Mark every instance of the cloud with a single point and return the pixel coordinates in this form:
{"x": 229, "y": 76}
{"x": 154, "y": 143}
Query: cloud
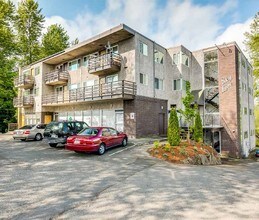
{"x": 235, "y": 32}
{"x": 172, "y": 23}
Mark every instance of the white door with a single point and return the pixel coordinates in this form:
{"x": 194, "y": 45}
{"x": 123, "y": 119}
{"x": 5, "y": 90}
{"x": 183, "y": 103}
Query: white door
{"x": 119, "y": 120}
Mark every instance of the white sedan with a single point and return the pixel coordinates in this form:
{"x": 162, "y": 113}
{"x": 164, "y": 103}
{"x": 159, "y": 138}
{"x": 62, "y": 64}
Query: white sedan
{"x": 29, "y": 132}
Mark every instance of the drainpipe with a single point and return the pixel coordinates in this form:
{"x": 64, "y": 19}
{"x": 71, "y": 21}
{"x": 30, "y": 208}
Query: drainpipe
{"x": 154, "y": 71}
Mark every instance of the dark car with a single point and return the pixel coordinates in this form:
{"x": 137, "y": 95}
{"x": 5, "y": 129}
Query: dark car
{"x": 58, "y": 132}
{"x": 96, "y": 139}
{"x": 257, "y": 153}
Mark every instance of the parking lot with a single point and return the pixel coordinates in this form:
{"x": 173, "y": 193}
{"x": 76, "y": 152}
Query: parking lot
{"x": 39, "y": 182}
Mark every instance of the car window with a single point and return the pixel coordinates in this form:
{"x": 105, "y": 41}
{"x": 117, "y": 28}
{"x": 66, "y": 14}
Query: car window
{"x": 70, "y": 126}
{"x": 85, "y": 125}
{"x": 113, "y": 131}
{"x": 78, "y": 126}
{"x": 89, "y": 131}
{"x": 27, "y": 127}
{"x": 41, "y": 126}
{"x": 105, "y": 132}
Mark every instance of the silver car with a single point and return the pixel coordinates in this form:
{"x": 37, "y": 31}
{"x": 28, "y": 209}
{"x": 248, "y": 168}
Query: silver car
{"x": 29, "y": 132}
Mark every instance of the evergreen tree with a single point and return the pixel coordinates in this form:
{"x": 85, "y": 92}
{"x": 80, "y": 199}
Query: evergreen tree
{"x": 55, "y": 40}
{"x": 29, "y": 24}
{"x": 189, "y": 110}
{"x": 252, "y": 43}
{"x": 7, "y": 58}
{"x": 198, "y": 130}
{"x": 173, "y": 134}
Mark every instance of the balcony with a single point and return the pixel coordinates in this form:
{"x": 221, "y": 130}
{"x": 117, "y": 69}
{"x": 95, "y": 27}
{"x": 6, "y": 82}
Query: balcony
{"x": 104, "y": 64}
{"x": 24, "y": 81}
{"x": 107, "y": 91}
{"x": 208, "y": 121}
{"x": 56, "y": 77}
{"x": 25, "y": 101}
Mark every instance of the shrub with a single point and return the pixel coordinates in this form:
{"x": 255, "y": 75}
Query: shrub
{"x": 198, "y": 131}
{"x": 156, "y": 144}
{"x": 173, "y": 133}
{"x": 167, "y": 147}
{"x": 183, "y": 151}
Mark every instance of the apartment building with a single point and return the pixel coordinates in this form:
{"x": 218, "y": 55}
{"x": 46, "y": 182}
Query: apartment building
{"x": 123, "y": 79}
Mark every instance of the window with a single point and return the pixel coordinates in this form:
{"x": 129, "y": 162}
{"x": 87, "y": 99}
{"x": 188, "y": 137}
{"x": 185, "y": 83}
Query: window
{"x": 115, "y": 49}
{"x": 177, "y": 84}
{"x": 143, "y": 78}
{"x": 210, "y": 56}
{"x": 143, "y": 48}
{"x": 37, "y": 71}
{"x": 113, "y": 132}
{"x": 158, "y": 84}
{"x": 243, "y": 62}
{"x": 86, "y": 61}
{"x": 112, "y": 78}
{"x": 245, "y": 134}
{"x": 91, "y": 82}
{"x": 245, "y": 110}
{"x": 250, "y": 111}
{"x": 185, "y": 59}
{"x": 73, "y": 65}
{"x": 159, "y": 57}
{"x": 176, "y": 58}
{"x": 74, "y": 86}
{"x": 26, "y": 72}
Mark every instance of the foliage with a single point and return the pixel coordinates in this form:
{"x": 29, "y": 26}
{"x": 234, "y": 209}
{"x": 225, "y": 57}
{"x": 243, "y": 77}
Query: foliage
{"x": 54, "y": 40}
{"x": 252, "y": 43}
{"x": 74, "y": 42}
{"x": 182, "y": 151}
{"x": 156, "y": 144}
{"x": 198, "y": 130}
{"x": 189, "y": 108}
{"x": 7, "y": 57}
{"x": 167, "y": 147}
{"x": 173, "y": 134}
{"x": 29, "y": 24}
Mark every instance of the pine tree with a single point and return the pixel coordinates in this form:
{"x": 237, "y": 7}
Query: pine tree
{"x": 198, "y": 130}
{"x": 29, "y": 24}
{"x": 173, "y": 134}
{"x": 55, "y": 40}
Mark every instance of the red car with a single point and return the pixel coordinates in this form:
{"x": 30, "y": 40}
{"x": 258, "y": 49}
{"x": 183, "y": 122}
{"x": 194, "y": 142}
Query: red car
{"x": 96, "y": 139}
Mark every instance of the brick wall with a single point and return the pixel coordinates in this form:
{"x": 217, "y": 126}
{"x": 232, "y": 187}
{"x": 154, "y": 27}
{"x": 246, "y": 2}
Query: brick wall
{"x": 229, "y": 99}
{"x": 148, "y": 113}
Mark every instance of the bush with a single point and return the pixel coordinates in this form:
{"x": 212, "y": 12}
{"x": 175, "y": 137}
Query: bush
{"x": 198, "y": 131}
{"x": 156, "y": 144}
{"x": 173, "y": 133}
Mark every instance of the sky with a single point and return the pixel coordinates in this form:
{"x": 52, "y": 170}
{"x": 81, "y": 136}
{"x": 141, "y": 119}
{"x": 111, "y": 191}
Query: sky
{"x": 193, "y": 23}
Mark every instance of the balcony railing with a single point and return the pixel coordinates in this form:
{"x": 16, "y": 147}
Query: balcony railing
{"x": 56, "y": 77}
{"x": 115, "y": 90}
{"x": 104, "y": 64}
{"x": 24, "y": 101}
{"x": 208, "y": 120}
{"x": 24, "y": 81}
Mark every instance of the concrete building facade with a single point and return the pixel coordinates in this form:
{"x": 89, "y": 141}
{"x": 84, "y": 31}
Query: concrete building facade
{"x": 122, "y": 79}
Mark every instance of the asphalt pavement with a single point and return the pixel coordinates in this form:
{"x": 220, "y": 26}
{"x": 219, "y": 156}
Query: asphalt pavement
{"x": 39, "y": 182}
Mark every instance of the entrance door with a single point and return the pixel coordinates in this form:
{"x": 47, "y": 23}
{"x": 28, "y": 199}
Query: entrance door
{"x": 59, "y": 93}
{"x": 119, "y": 120}
{"x": 161, "y": 123}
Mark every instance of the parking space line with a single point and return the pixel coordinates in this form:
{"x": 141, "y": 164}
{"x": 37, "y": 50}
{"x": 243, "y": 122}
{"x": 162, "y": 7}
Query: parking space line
{"x": 119, "y": 151}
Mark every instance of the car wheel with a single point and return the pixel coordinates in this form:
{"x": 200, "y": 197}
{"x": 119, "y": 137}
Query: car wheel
{"x": 101, "y": 149}
{"x": 53, "y": 145}
{"x": 124, "y": 142}
{"x": 38, "y": 137}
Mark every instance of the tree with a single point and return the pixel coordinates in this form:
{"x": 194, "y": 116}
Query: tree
{"x": 189, "y": 109}
{"x": 7, "y": 58}
{"x": 55, "y": 40}
{"x": 198, "y": 130}
{"x": 252, "y": 43}
{"x": 29, "y": 24}
{"x": 74, "y": 42}
{"x": 173, "y": 133}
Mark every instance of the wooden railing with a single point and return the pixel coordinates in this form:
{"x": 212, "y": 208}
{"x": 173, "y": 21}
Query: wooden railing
{"x": 56, "y": 76}
{"x": 23, "y": 101}
{"x": 24, "y": 81}
{"x": 120, "y": 89}
{"x": 104, "y": 62}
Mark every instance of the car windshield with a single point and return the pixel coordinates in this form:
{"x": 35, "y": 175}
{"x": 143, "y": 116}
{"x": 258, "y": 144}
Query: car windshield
{"x": 27, "y": 127}
{"x": 54, "y": 126}
{"x": 89, "y": 131}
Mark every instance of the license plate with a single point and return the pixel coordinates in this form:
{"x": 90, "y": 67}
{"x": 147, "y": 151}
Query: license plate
{"x": 54, "y": 136}
{"x": 77, "y": 141}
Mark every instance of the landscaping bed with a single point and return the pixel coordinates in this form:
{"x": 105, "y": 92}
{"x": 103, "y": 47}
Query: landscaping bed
{"x": 185, "y": 153}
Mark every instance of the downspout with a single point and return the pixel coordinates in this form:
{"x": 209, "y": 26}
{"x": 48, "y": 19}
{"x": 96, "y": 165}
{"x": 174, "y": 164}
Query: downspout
{"x": 154, "y": 71}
